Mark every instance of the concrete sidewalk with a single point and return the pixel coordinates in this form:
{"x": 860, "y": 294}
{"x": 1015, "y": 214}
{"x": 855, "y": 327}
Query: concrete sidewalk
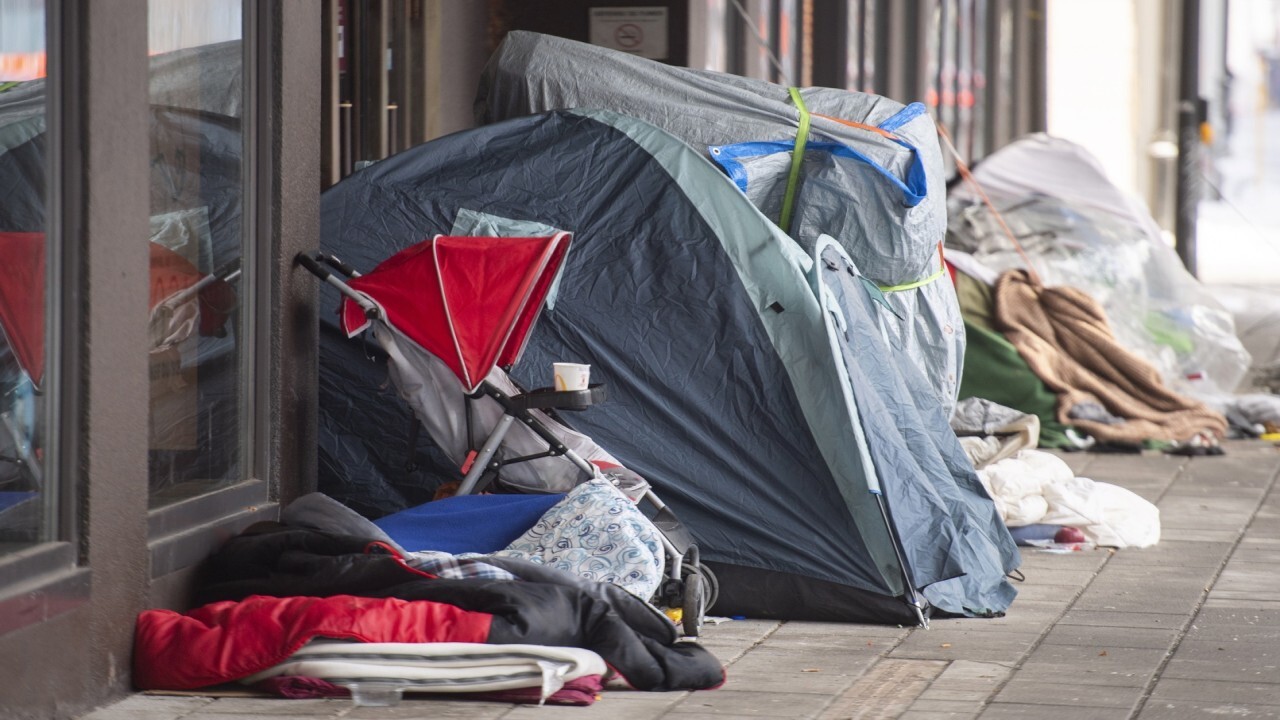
{"x": 1187, "y": 629}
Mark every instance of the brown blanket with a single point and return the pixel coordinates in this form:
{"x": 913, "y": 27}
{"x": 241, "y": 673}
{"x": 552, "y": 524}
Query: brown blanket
{"x": 1064, "y": 336}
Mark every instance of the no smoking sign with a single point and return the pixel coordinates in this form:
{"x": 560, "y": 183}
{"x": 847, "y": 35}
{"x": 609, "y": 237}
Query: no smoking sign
{"x": 629, "y": 36}
{"x": 637, "y": 30}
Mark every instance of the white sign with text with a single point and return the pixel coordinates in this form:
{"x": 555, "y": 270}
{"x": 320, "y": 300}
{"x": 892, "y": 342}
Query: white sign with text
{"x": 637, "y": 30}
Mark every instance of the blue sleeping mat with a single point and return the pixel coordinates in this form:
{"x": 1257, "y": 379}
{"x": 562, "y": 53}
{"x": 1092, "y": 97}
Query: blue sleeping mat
{"x": 470, "y": 523}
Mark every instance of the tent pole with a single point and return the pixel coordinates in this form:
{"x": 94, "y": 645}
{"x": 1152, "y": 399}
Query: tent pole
{"x": 913, "y": 595}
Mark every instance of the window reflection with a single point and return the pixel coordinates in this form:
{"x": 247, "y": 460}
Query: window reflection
{"x": 196, "y": 335}
{"x": 26, "y": 502}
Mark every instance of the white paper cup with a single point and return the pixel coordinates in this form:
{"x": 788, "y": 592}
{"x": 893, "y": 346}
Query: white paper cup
{"x": 571, "y": 376}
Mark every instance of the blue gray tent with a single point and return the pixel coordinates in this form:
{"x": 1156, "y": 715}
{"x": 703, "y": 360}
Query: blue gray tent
{"x": 746, "y": 380}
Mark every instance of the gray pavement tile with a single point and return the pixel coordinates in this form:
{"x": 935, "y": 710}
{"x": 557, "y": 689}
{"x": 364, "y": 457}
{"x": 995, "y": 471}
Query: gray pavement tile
{"x": 1257, "y": 551}
{"x": 766, "y": 660}
{"x": 1171, "y": 551}
{"x": 1097, "y": 657}
{"x": 1249, "y": 614}
{"x": 854, "y": 630}
{"x": 1218, "y": 488}
{"x": 607, "y": 707}
{"x": 816, "y": 679}
{"x": 1037, "y": 692}
{"x": 1227, "y": 671}
{"x": 1246, "y": 470}
{"x": 1022, "y": 711}
{"x": 1265, "y": 525}
{"x": 1135, "y": 677}
{"x": 966, "y": 645}
{"x": 1215, "y": 691}
{"x": 968, "y": 672}
{"x": 836, "y": 635}
{"x": 1214, "y": 601}
{"x": 236, "y": 707}
{"x": 886, "y": 691}
{"x": 1096, "y": 636}
{"x": 974, "y": 694}
{"x": 1050, "y": 575}
{"x": 1268, "y": 532}
{"x": 1246, "y": 633}
{"x": 727, "y": 716}
{"x": 922, "y": 715}
{"x": 1248, "y": 580}
{"x": 754, "y": 704}
{"x": 1132, "y": 618}
{"x": 793, "y": 653}
{"x": 1175, "y": 600}
{"x": 963, "y": 707}
{"x": 257, "y": 716}
{"x": 415, "y": 706}
{"x": 149, "y": 707}
{"x": 1090, "y": 665}
{"x": 1033, "y": 591}
{"x": 1146, "y": 574}
{"x": 1189, "y": 710}
{"x": 1199, "y": 534}
{"x": 1208, "y": 511}
{"x": 1240, "y": 595}
{"x": 1143, "y": 580}
{"x": 1135, "y": 468}
{"x": 726, "y": 652}
{"x": 1236, "y": 652}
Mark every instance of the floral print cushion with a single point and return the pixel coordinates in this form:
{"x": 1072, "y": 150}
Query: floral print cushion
{"x": 596, "y": 532}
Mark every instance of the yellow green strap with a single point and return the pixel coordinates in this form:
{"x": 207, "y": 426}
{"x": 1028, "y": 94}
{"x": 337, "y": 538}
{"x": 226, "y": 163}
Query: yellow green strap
{"x": 942, "y": 269}
{"x": 912, "y": 285}
{"x": 797, "y": 157}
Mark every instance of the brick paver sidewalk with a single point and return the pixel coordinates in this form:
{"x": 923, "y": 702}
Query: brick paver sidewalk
{"x": 1187, "y": 629}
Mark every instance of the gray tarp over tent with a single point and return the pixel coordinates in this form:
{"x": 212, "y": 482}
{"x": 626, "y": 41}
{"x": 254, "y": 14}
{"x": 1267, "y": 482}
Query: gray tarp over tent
{"x": 724, "y": 382}
{"x": 872, "y": 174}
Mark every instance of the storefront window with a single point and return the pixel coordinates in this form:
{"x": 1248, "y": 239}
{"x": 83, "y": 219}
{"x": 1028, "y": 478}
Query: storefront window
{"x": 27, "y": 501}
{"x": 199, "y": 330}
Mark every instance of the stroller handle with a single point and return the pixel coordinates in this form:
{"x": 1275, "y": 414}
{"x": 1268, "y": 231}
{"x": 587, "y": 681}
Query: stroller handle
{"x": 314, "y": 267}
{"x": 312, "y": 264}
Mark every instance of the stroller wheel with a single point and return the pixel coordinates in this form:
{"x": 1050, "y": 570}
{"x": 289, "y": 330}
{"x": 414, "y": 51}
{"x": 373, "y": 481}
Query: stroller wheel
{"x": 693, "y": 605}
{"x": 710, "y": 582}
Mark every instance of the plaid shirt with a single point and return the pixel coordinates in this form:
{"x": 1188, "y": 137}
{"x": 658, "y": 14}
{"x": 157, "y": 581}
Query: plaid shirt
{"x": 455, "y": 567}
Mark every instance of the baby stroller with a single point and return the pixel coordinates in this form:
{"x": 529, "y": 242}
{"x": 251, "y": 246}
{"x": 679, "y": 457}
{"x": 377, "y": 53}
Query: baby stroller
{"x": 453, "y": 315}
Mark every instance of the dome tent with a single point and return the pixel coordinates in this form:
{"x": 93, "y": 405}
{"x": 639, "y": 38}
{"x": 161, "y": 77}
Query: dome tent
{"x": 702, "y": 319}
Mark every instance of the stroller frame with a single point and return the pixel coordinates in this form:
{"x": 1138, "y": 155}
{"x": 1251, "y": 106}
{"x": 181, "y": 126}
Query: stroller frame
{"x": 688, "y": 584}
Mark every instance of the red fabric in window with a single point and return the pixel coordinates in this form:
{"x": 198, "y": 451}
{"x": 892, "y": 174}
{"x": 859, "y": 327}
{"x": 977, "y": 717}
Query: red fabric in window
{"x": 22, "y": 299}
{"x": 172, "y": 273}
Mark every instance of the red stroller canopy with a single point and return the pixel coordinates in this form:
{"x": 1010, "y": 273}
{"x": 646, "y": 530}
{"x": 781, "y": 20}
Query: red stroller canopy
{"x": 470, "y": 301}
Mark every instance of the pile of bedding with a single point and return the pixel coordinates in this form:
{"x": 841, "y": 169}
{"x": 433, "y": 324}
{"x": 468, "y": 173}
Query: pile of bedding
{"x": 280, "y": 604}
